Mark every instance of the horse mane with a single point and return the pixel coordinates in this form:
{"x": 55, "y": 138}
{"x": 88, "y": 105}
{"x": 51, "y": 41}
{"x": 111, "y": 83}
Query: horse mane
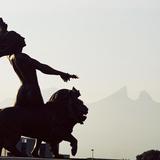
{"x": 61, "y": 98}
{"x": 65, "y": 102}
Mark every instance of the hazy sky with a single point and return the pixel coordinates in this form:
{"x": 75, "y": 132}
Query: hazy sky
{"x": 107, "y": 43}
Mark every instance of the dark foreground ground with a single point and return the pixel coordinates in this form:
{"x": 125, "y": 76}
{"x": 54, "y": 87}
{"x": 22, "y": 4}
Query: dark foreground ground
{"x": 29, "y": 158}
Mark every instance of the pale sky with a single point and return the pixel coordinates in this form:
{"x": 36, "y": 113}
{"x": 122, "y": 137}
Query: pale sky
{"x": 109, "y": 44}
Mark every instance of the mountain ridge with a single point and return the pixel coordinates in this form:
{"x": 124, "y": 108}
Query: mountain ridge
{"x": 120, "y": 125}
{"x": 123, "y": 93}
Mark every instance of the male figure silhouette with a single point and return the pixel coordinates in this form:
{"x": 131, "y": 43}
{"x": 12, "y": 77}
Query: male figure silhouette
{"x": 29, "y": 94}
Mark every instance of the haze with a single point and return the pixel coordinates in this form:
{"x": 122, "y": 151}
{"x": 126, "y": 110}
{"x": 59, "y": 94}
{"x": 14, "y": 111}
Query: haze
{"x": 107, "y": 43}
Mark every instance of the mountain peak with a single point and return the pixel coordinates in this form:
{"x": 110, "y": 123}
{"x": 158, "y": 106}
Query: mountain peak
{"x": 122, "y": 92}
{"x": 145, "y": 96}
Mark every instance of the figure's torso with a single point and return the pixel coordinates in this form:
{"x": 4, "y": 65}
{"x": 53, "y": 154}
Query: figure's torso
{"x": 29, "y": 93}
{"x": 24, "y": 69}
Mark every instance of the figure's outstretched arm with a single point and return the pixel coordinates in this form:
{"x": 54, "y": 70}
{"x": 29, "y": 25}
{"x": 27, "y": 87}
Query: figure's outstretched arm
{"x": 49, "y": 70}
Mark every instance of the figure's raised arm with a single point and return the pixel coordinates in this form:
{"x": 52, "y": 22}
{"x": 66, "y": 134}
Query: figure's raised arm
{"x": 44, "y": 68}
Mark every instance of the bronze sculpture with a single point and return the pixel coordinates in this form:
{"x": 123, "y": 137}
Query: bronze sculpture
{"x": 29, "y": 99}
{"x": 55, "y": 126}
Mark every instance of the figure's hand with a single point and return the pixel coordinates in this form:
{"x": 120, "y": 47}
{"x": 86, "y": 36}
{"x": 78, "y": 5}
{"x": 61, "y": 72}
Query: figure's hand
{"x": 74, "y": 76}
{"x": 66, "y": 77}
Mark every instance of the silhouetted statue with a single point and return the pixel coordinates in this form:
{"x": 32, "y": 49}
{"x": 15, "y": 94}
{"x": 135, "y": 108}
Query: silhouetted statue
{"x": 29, "y": 94}
{"x": 52, "y": 123}
{"x": 149, "y": 155}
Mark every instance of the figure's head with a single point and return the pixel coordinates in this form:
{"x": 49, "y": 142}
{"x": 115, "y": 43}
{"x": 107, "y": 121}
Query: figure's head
{"x": 3, "y": 26}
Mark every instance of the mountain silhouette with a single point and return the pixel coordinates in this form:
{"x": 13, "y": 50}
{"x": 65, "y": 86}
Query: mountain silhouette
{"x": 144, "y": 96}
{"x": 119, "y": 127}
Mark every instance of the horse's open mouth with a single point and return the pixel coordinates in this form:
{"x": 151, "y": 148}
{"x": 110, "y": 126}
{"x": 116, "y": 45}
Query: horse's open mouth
{"x": 83, "y": 116}
{"x": 82, "y": 119}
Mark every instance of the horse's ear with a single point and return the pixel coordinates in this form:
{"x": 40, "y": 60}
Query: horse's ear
{"x": 74, "y": 89}
{"x": 76, "y": 92}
